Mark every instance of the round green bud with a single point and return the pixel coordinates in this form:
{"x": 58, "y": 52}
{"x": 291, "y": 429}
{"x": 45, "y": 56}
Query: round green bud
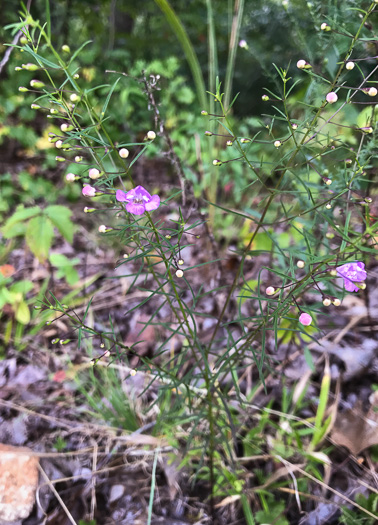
{"x": 30, "y": 67}
{"x": 38, "y": 84}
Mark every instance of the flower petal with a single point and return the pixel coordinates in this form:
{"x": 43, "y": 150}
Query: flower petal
{"x": 350, "y": 286}
{"x": 121, "y": 196}
{"x": 154, "y": 203}
{"x": 141, "y": 193}
{"x": 136, "y": 209}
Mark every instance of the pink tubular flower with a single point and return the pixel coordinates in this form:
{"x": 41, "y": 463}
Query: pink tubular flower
{"x": 138, "y": 200}
{"x": 88, "y": 191}
{"x": 352, "y": 273}
{"x": 305, "y": 319}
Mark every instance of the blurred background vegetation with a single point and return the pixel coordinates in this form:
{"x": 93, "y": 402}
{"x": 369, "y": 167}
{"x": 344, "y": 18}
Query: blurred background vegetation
{"x": 129, "y": 36}
{"x": 132, "y": 37}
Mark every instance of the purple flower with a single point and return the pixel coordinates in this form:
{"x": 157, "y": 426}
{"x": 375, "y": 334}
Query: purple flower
{"x": 138, "y": 200}
{"x": 352, "y": 273}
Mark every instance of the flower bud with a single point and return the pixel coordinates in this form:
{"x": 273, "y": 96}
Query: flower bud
{"x": 265, "y": 98}
{"x": 30, "y": 67}
{"x": 104, "y": 229}
{"x": 277, "y": 143}
{"x": 301, "y": 264}
{"x": 151, "y": 135}
{"x": 325, "y": 27}
{"x": 74, "y": 97}
{"x": 18, "y": 68}
{"x": 180, "y": 262}
{"x": 66, "y": 48}
{"x": 76, "y": 76}
{"x": 245, "y": 141}
{"x": 305, "y": 319}
{"x": 208, "y": 133}
{"x": 23, "y": 40}
{"x": 88, "y": 191}
{"x": 23, "y": 89}
{"x": 35, "y": 106}
{"x": 70, "y": 177}
{"x": 331, "y": 97}
{"x": 54, "y": 111}
{"x": 368, "y": 200}
{"x": 328, "y": 206}
{"x": 327, "y": 181}
{"x": 94, "y": 173}
{"x": 333, "y": 273}
{"x": 133, "y": 372}
{"x": 336, "y": 302}
{"x": 179, "y": 273}
{"x": 367, "y": 129}
{"x": 327, "y": 301}
{"x": 243, "y": 44}
{"x": 294, "y": 126}
{"x": 66, "y": 127}
{"x": 124, "y": 153}
{"x": 37, "y": 84}
{"x": 217, "y": 162}
{"x": 270, "y": 290}
{"x": 229, "y": 143}
{"x": 372, "y": 92}
{"x": 301, "y": 64}
{"x": 59, "y": 144}
{"x": 78, "y": 158}
{"x": 60, "y": 159}
{"x": 204, "y": 113}
{"x": 349, "y": 66}
{"x": 89, "y": 210}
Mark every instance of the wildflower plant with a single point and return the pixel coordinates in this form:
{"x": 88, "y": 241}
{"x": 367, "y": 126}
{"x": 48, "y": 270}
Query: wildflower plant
{"x": 303, "y": 216}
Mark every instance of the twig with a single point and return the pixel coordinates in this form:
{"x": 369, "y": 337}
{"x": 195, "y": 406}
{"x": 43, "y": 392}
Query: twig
{"x": 56, "y": 494}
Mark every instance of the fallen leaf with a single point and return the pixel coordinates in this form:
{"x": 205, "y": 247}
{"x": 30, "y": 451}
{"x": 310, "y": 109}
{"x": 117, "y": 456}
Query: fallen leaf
{"x": 7, "y": 270}
{"x": 355, "y": 430}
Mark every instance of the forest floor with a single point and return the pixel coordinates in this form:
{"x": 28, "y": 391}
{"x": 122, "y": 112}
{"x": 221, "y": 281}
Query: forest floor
{"x": 93, "y": 470}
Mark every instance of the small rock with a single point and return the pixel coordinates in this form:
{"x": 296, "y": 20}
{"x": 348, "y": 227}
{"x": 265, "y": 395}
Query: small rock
{"x": 18, "y": 482}
{"x": 116, "y": 493}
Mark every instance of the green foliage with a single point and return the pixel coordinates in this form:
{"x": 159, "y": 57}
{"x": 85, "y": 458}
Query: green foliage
{"x": 37, "y": 226}
{"x": 102, "y": 389}
{"x": 272, "y": 513}
{"x": 356, "y": 517}
{"x": 65, "y": 267}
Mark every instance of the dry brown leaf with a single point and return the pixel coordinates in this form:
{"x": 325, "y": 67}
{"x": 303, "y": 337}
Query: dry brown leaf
{"x": 355, "y": 430}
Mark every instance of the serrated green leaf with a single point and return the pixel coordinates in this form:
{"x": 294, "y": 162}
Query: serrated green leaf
{"x": 16, "y": 230}
{"x": 20, "y": 215}
{"x": 22, "y": 313}
{"x": 39, "y": 235}
{"x": 60, "y": 217}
